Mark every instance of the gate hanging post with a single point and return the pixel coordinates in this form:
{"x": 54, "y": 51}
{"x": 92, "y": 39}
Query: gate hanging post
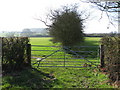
{"x": 64, "y": 56}
{"x": 29, "y": 54}
{"x": 2, "y": 52}
{"x": 1, "y": 57}
{"x": 102, "y": 63}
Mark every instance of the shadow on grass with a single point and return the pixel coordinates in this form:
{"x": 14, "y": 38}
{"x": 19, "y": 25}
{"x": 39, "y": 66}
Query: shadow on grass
{"x": 94, "y": 48}
{"x": 28, "y": 79}
{"x": 90, "y": 43}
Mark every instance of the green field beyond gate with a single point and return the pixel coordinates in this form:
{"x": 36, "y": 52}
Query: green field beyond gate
{"x": 47, "y": 54}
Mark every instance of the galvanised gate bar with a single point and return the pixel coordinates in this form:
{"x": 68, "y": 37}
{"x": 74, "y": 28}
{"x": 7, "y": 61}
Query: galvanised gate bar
{"x": 58, "y": 56}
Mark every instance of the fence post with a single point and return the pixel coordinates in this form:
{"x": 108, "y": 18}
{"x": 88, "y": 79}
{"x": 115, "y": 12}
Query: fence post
{"x": 1, "y": 62}
{"x": 102, "y": 63}
{"x": 29, "y": 54}
{"x": 64, "y": 58}
{"x": 0, "y": 49}
{"x": 2, "y": 55}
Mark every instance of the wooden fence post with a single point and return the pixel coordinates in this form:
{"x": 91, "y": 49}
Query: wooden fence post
{"x": 29, "y": 54}
{"x": 64, "y": 47}
{"x": 102, "y": 63}
{"x": 0, "y": 49}
{"x": 1, "y": 57}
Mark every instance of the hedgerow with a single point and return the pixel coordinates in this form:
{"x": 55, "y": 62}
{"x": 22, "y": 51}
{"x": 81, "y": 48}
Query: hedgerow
{"x": 112, "y": 56}
{"x": 14, "y": 53}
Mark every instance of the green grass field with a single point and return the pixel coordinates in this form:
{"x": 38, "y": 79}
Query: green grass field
{"x": 45, "y": 41}
{"x": 56, "y": 77}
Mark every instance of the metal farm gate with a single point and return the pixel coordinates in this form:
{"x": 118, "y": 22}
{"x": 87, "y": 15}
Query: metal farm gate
{"x": 58, "y": 56}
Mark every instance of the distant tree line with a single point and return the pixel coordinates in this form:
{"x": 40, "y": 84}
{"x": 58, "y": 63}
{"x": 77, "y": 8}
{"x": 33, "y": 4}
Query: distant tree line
{"x": 101, "y": 34}
{"x": 13, "y": 34}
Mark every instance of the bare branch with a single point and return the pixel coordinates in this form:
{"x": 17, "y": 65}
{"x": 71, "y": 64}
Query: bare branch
{"x": 101, "y": 16}
{"x": 110, "y": 20}
{"x": 87, "y": 16}
{"x": 106, "y": 5}
{"x": 45, "y": 22}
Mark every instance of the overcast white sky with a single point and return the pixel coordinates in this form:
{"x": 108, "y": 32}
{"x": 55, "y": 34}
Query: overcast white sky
{"x": 15, "y": 15}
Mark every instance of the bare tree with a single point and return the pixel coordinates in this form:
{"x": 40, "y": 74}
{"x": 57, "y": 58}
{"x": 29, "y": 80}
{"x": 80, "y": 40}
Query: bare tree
{"x": 110, "y": 7}
{"x": 106, "y": 5}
